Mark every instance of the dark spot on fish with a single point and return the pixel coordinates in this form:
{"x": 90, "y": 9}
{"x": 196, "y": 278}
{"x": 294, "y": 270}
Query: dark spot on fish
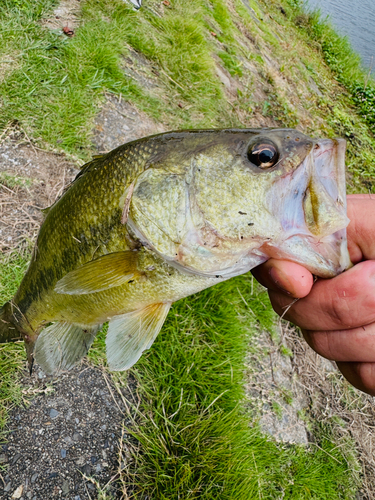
{"x": 131, "y": 281}
{"x": 242, "y": 213}
{"x": 250, "y": 224}
{"x": 297, "y": 139}
{"x": 217, "y": 276}
{"x": 241, "y": 237}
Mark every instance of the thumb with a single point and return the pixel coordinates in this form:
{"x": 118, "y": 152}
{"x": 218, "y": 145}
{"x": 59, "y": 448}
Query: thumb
{"x": 282, "y": 275}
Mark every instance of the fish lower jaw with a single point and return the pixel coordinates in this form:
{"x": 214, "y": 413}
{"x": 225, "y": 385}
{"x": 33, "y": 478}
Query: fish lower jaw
{"x": 324, "y": 259}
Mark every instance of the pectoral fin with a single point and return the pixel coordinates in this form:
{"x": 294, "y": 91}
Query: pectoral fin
{"x": 113, "y": 269}
{"x": 132, "y": 333}
{"x": 61, "y": 345}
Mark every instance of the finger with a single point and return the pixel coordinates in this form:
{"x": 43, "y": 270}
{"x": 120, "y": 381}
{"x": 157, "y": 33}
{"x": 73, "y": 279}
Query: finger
{"x": 361, "y": 229}
{"x": 344, "y": 302}
{"x": 357, "y": 344}
{"x": 361, "y": 375}
{"x": 287, "y": 277}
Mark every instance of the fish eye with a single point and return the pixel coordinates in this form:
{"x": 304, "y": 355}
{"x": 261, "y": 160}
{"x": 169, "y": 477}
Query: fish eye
{"x": 263, "y": 154}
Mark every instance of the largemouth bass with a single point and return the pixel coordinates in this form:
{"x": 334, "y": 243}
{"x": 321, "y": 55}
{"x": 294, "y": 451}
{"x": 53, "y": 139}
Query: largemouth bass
{"x": 164, "y": 217}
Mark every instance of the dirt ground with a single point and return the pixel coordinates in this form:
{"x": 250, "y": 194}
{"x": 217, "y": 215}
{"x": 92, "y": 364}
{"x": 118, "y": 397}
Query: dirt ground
{"x": 66, "y": 441}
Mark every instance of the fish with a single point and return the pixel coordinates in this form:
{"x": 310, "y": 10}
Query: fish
{"x": 166, "y": 216}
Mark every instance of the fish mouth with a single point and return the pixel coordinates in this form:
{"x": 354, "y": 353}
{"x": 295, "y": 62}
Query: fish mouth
{"x": 314, "y": 216}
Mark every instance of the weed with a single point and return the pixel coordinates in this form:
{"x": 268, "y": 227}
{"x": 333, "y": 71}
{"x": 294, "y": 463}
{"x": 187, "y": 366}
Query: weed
{"x": 285, "y": 351}
{"x": 278, "y": 409}
{"x": 12, "y": 181}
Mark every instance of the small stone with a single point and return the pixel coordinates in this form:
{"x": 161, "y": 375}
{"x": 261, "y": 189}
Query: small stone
{"x": 52, "y": 475}
{"x": 65, "y": 487}
{"x": 86, "y": 469}
{"x": 104, "y": 455}
{"x": 16, "y": 458}
{"x": 3, "y": 458}
{"x": 29, "y": 494}
{"x": 54, "y": 413}
{"x": 7, "y": 487}
{"x": 34, "y": 477}
{"x": 98, "y": 468}
{"x": 63, "y": 453}
{"x": 18, "y": 492}
{"x": 77, "y": 497}
{"x": 90, "y": 486}
{"x": 76, "y": 436}
{"x": 41, "y": 374}
{"x": 68, "y": 440}
{"x": 93, "y": 460}
{"x": 80, "y": 461}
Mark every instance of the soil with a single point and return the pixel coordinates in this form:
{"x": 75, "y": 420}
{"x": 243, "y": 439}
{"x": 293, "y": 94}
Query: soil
{"x": 66, "y": 15}
{"x": 30, "y": 179}
{"x": 119, "y": 122}
{"x": 65, "y": 442}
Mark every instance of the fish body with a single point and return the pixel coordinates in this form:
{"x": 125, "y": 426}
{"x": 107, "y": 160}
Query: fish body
{"x": 164, "y": 217}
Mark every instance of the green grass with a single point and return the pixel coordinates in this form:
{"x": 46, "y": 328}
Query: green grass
{"x": 12, "y": 356}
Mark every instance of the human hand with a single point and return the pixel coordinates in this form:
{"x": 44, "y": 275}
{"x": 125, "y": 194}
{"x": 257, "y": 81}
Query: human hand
{"x": 336, "y": 316}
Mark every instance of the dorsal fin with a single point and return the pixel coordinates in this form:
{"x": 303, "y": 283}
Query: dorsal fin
{"x": 130, "y": 334}
{"x": 113, "y": 269}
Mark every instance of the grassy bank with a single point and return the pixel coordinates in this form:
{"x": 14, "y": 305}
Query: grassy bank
{"x": 340, "y": 57}
{"x": 282, "y": 67}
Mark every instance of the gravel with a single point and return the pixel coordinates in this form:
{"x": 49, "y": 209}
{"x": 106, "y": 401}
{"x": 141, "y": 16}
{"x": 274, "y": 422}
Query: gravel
{"x": 71, "y": 428}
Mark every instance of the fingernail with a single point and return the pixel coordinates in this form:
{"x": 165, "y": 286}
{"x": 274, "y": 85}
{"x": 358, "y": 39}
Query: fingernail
{"x": 277, "y": 276}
